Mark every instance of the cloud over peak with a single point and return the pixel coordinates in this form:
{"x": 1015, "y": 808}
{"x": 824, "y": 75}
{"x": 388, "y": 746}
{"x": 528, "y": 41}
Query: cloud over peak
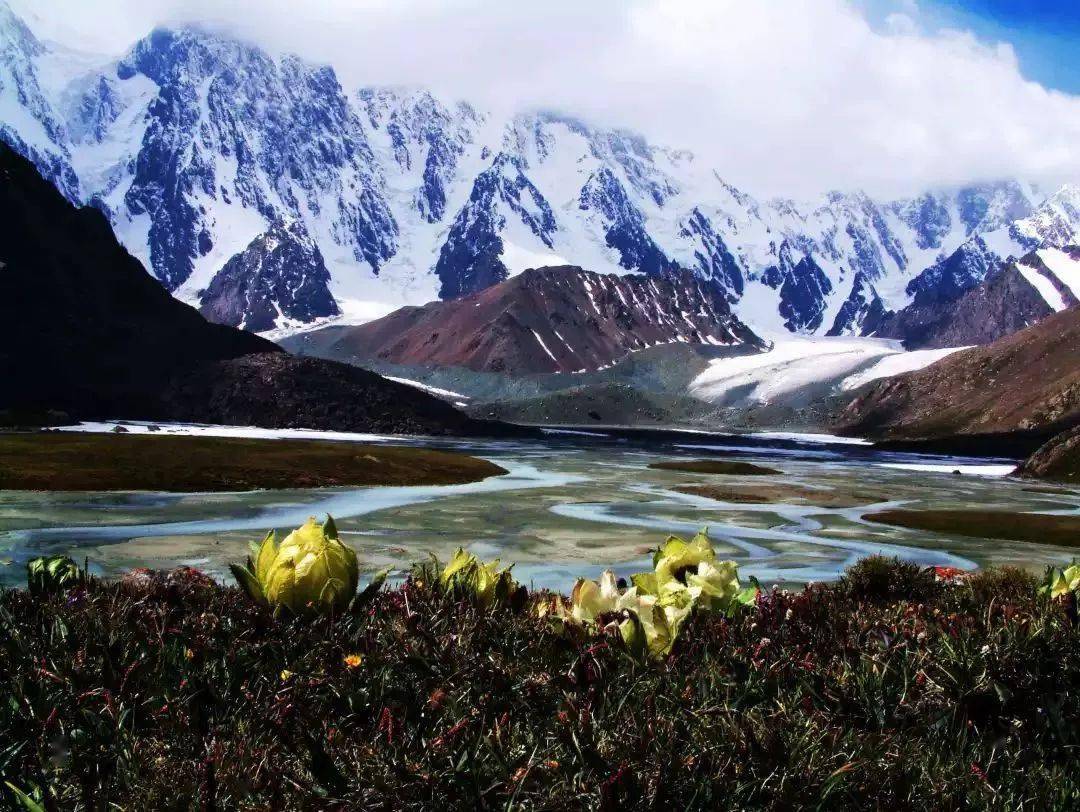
{"x": 784, "y": 97}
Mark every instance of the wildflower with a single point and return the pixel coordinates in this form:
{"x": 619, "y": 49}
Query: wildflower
{"x": 437, "y": 699}
{"x": 1062, "y": 581}
{"x": 949, "y": 575}
{"x": 693, "y": 567}
{"x": 489, "y": 585}
{"x": 649, "y": 614}
{"x": 353, "y": 660}
{"x": 51, "y": 574}
{"x": 311, "y": 569}
{"x": 285, "y": 675}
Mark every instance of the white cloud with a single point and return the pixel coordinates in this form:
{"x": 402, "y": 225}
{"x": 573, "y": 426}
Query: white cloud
{"x": 783, "y": 96}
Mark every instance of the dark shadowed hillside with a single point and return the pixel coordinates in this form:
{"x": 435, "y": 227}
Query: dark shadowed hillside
{"x": 91, "y": 334}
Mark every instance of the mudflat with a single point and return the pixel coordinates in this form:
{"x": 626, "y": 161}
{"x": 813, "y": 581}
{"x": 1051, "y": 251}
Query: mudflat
{"x": 1038, "y": 528}
{"x": 730, "y": 467}
{"x": 56, "y": 461}
{"x": 785, "y": 494}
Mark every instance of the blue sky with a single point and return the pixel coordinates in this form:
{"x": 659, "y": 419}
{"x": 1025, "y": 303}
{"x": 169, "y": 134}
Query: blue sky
{"x": 1044, "y": 33}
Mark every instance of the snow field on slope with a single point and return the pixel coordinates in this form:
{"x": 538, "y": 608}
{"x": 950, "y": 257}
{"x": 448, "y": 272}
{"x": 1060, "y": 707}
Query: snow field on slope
{"x": 896, "y": 364}
{"x": 431, "y": 390}
{"x": 1043, "y": 286}
{"x": 793, "y": 364}
{"x": 1064, "y": 267}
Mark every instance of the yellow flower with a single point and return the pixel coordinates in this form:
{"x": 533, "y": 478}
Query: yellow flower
{"x": 693, "y": 567}
{"x": 676, "y": 557}
{"x": 285, "y": 674}
{"x": 715, "y": 583}
{"x": 486, "y": 583}
{"x": 311, "y": 570}
{"x": 686, "y": 575}
{"x": 1061, "y": 582}
{"x": 643, "y": 623}
{"x": 353, "y": 660}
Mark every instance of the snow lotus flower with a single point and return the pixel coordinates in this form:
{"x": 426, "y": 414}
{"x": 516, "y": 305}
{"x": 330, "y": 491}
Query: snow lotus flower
{"x": 649, "y": 614}
{"x": 310, "y": 571}
{"x": 676, "y": 557}
{"x": 50, "y": 574}
{"x": 692, "y": 567}
{"x": 644, "y": 621}
{"x": 486, "y": 583}
{"x": 1062, "y": 581}
{"x": 593, "y": 601}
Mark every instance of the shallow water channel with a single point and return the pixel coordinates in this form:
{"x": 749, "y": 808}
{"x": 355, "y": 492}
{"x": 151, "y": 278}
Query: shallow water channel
{"x": 572, "y": 504}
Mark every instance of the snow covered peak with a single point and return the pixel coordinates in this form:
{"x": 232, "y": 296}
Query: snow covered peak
{"x": 197, "y": 145}
{"x": 29, "y": 121}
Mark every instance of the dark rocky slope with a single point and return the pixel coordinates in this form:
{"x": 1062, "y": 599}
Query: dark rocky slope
{"x": 281, "y": 391}
{"x": 92, "y": 335}
{"x": 611, "y": 404}
{"x": 1058, "y": 459}
{"x": 562, "y": 319}
{"x": 1027, "y": 384}
{"x": 280, "y": 276}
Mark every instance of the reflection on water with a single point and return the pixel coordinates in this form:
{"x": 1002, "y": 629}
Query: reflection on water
{"x": 571, "y": 505}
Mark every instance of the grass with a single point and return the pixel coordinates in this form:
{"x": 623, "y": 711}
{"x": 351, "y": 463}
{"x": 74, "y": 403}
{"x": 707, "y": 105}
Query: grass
{"x": 59, "y": 461}
{"x": 731, "y": 467}
{"x": 172, "y": 692}
{"x": 988, "y": 524}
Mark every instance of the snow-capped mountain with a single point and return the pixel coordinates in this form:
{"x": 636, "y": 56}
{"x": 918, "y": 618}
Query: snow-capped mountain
{"x": 935, "y": 292}
{"x": 1013, "y": 295}
{"x": 281, "y": 268}
{"x": 198, "y": 147}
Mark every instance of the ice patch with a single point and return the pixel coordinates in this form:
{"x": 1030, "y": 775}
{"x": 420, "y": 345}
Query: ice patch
{"x": 939, "y": 468}
{"x": 897, "y": 364}
{"x": 1064, "y": 267}
{"x": 791, "y": 364}
{"x": 543, "y": 346}
{"x": 250, "y": 432}
{"x": 1044, "y": 286}
{"x": 810, "y": 437}
{"x": 431, "y": 390}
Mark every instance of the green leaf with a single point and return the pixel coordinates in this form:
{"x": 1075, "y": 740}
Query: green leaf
{"x": 368, "y": 593}
{"x": 248, "y": 582}
{"x": 26, "y": 801}
{"x": 330, "y": 527}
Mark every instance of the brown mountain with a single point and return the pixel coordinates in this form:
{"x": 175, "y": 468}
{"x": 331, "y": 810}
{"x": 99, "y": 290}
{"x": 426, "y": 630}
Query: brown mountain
{"x": 92, "y": 335}
{"x": 558, "y": 319}
{"x": 1026, "y": 384}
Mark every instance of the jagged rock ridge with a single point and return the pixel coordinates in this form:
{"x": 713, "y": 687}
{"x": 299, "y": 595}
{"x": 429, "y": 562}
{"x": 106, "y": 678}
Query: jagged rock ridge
{"x": 1013, "y": 295}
